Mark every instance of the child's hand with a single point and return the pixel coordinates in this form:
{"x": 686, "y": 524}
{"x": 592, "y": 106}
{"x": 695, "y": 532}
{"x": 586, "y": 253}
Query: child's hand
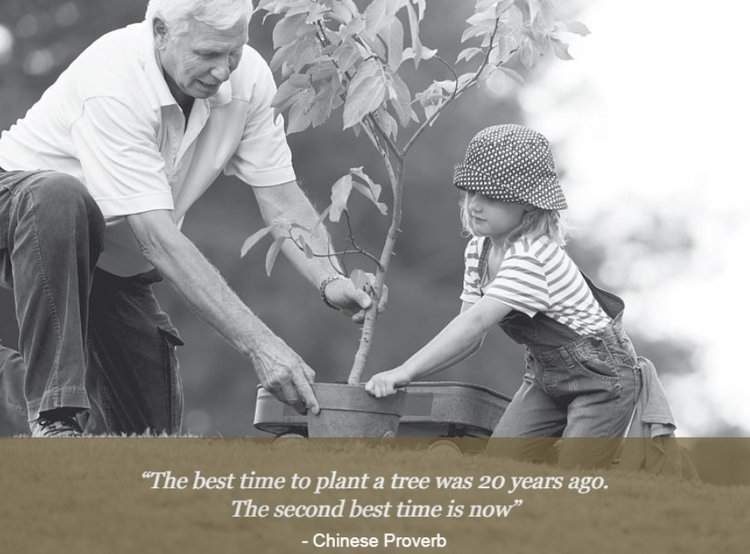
{"x": 386, "y": 383}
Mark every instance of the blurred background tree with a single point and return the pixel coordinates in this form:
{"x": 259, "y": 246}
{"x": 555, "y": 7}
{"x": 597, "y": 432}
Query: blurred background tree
{"x": 39, "y": 38}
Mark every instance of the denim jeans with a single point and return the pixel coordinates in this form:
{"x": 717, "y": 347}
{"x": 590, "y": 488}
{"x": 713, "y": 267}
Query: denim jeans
{"x": 574, "y": 387}
{"x": 87, "y": 339}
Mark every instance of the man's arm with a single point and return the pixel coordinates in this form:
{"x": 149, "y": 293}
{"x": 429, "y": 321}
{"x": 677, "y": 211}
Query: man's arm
{"x": 289, "y": 202}
{"x": 280, "y": 370}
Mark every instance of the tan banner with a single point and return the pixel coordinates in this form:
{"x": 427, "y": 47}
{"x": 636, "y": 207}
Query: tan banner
{"x": 295, "y": 495}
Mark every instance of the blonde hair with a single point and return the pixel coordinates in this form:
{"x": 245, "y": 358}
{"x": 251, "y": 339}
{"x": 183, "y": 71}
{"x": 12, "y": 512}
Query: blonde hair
{"x": 536, "y": 222}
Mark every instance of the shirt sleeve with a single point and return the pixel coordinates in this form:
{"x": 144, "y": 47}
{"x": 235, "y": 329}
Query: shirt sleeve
{"x": 472, "y": 279}
{"x": 263, "y": 157}
{"x": 521, "y": 283}
{"x": 121, "y": 163}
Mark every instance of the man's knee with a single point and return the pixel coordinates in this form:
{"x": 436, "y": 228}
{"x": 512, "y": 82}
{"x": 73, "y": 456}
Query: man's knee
{"x": 65, "y": 202}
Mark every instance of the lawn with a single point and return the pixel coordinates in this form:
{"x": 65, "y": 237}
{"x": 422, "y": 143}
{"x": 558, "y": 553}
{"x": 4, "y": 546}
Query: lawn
{"x": 186, "y": 495}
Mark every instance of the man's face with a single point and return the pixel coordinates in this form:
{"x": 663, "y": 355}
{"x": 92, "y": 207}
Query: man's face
{"x": 198, "y": 62}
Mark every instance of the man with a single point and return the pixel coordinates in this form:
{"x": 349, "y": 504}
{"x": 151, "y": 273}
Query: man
{"x": 97, "y": 178}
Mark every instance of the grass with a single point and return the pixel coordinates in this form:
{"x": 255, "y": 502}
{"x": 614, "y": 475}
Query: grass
{"x": 90, "y": 496}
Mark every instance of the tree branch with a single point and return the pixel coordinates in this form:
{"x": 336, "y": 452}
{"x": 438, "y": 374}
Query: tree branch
{"x": 458, "y": 91}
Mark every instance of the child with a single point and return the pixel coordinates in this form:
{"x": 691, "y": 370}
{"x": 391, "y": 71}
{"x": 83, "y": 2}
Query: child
{"x": 582, "y": 375}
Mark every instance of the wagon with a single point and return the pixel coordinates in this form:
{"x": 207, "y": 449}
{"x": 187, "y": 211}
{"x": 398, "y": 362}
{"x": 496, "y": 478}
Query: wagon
{"x": 439, "y": 409}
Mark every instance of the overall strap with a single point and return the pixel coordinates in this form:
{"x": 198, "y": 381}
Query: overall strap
{"x": 612, "y": 304}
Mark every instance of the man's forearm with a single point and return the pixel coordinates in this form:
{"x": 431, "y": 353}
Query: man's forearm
{"x": 280, "y": 370}
{"x": 204, "y": 290}
{"x": 202, "y": 287}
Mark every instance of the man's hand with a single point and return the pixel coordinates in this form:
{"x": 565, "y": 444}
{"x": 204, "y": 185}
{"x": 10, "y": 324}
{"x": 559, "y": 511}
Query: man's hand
{"x": 285, "y": 375}
{"x": 354, "y": 296}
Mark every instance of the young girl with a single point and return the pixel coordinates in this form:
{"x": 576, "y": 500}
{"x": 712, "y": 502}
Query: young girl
{"x": 582, "y": 375}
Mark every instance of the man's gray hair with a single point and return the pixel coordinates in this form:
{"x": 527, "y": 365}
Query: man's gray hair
{"x": 219, "y": 14}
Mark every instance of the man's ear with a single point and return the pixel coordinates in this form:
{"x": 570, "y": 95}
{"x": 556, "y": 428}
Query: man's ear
{"x": 161, "y": 33}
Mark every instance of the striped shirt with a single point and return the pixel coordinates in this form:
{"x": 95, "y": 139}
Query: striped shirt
{"x": 536, "y": 276}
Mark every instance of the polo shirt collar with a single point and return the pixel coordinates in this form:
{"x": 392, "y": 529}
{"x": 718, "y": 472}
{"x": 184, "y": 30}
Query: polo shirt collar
{"x": 152, "y": 68}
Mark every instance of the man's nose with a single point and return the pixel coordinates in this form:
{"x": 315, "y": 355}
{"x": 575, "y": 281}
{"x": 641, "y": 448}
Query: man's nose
{"x": 221, "y": 70}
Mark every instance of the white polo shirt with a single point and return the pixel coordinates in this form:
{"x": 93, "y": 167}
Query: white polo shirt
{"x": 111, "y": 121}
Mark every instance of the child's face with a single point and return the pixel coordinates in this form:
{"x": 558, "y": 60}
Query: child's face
{"x": 492, "y": 218}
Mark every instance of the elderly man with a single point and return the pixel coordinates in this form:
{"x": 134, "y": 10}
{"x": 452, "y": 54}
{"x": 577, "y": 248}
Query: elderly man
{"x": 95, "y": 182}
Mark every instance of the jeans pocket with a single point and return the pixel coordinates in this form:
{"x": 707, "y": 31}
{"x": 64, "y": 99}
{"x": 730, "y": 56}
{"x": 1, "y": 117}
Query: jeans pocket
{"x": 174, "y": 392}
{"x": 171, "y": 335}
{"x": 599, "y": 369}
{"x": 4, "y": 216}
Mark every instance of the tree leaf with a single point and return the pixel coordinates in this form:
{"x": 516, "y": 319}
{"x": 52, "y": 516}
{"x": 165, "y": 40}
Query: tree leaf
{"x": 354, "y": 28}
{"x": 346, "y": 55}
{"x": 483, "y": 18}
{"x": 273, "y": 253}
{"x": 304, "y": 50}
{"x": 387, "y": 122}
{"x": 359, "y": 278}
{"x": 433, "y": 97}
{"x": 286, "y": 95}
{"x": 500, "y": 80}
{"x": 321, "y": 110}
{"x": 427, "y": 53}
{"x": 375, "y": 16}
{"x": 366, "y": 92}
{"x": 577, "y": 28}
{"x": 483, "y": 5}
{"x": 379, "y": 15}
{"x": 373, "y": 188}
{"x": 253, "y": 239}
{"x": 285, "y": 31}
{"x": 468, "y": 53}
{"x": 530, "y": 53}
{"x": 382, "y": 208}
{"x": 324, "y": 103}
{"x": 294, "y": 7}
{"x": 472, "y": 32}
{"x": 302, "y": 243}
{"x": 395, "y": 44}
{"x": 560, "y": 49}
{"x": 503, "y": 6}
{"x": 323, "y": 70}
{"x": 317, "y": 13}
{"x": 321, "y": 219}
{"x": 513, "y": 74}
{"x": 300, "y": 114}
{"x": 340, "y": 192}
{"x": 342, "y": 11}
{"x": 416, "y": 43}
{"x": 400, "y": 96}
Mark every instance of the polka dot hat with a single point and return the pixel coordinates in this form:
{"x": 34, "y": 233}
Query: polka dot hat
{"x": 513, "y": 164}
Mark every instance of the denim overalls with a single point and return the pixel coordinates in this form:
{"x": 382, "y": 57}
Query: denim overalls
{"x": 574, "y": 386}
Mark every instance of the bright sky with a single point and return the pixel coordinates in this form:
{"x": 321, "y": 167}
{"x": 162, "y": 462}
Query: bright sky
{"x": 655, "y": 116}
